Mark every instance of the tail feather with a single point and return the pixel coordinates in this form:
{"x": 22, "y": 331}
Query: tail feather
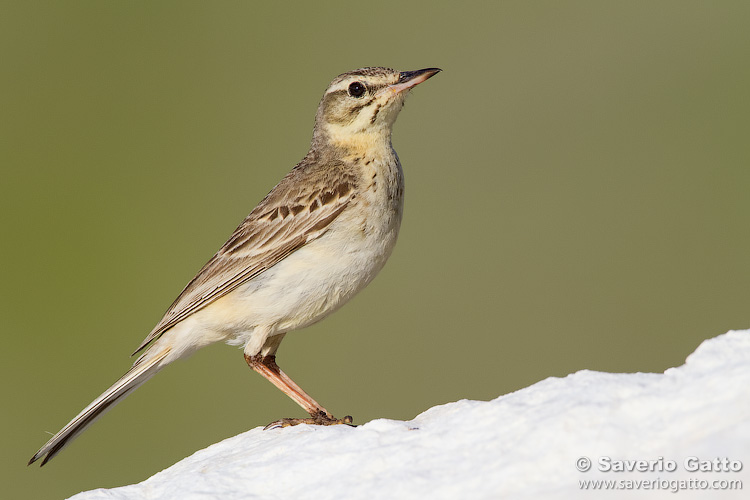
{"x": 145, "y": 368}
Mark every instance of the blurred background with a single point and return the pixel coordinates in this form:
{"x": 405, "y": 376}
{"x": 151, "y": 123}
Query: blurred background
{"x": 577, "y": 198}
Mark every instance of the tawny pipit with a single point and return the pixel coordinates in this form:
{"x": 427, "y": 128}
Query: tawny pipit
{"x": 319, "y": 237}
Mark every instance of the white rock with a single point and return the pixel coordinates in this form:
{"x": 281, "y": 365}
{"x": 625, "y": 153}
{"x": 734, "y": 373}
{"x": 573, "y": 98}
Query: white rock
{"x": 521, "y": 445}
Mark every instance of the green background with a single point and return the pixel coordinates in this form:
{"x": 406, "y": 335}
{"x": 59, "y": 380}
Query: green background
{"x": 577, "y": 198}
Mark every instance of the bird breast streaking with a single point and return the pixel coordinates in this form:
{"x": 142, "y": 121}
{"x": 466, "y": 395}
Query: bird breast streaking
{"x": 319, "y": 237}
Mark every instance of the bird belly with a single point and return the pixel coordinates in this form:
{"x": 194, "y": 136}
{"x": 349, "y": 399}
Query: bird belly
{"x": 303, "y": 288}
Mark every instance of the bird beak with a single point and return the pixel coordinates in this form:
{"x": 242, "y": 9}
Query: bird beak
{"x": 408, "y": 79}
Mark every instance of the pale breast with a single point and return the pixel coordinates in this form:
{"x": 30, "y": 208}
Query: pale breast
{"x": 325, "y": 273}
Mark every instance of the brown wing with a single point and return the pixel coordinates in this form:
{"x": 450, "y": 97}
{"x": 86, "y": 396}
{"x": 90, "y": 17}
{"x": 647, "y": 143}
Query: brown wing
{"x": 299, "y": 209}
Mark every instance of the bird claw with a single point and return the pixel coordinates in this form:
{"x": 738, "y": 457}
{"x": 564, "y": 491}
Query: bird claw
{"x": 320, "y": 418}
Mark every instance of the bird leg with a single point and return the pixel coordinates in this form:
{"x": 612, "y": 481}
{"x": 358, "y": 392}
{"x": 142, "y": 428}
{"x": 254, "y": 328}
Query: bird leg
{"x": 266, "y": 366}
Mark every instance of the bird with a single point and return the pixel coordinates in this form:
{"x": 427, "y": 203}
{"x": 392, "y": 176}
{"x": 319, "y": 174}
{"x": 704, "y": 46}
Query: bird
{"x": 318, "y": 237}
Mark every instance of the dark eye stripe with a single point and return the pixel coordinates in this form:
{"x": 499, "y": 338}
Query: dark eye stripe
{"x": 337, "y": 93}
{"x": 345, "y": 92}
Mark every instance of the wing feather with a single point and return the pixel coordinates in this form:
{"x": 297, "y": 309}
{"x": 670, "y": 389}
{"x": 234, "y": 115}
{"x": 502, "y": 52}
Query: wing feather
{"x": 296, "y": 211}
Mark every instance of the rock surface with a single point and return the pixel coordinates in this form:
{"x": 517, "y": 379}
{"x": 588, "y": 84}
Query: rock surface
{"x": 528, "y": 444}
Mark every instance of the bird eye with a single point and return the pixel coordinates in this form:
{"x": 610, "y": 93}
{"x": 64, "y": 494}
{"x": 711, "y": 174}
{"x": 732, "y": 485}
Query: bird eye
{"x": 357, "y": 89}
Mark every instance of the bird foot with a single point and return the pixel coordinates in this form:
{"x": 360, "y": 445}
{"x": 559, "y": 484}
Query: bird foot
{"x": 320, "y": 418}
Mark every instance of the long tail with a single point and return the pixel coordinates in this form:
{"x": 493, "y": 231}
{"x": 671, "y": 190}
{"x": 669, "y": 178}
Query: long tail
{"x": 145, "y": 368}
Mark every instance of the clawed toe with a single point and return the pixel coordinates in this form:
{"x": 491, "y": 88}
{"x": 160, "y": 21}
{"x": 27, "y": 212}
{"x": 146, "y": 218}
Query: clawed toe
{"x": 320, "y": 418}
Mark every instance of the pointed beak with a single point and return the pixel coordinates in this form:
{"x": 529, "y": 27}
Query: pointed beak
{"x": 408, "y": 79}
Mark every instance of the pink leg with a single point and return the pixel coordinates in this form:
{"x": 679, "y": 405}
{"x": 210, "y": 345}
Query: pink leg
{"x": 266, "y": 366}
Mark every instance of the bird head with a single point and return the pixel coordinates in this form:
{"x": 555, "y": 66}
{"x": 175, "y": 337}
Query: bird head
{"x": 360, "y": 107}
